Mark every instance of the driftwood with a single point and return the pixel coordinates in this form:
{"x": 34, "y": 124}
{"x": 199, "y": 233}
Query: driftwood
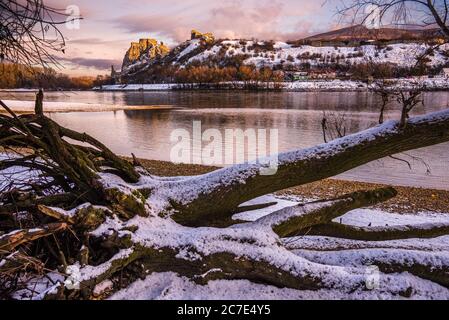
{"x": 10, "y": 241}
{"x": 94, "y": 208}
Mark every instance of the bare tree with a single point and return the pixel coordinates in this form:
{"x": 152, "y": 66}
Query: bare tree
{"x": 422, "y": 13}
{"x": 29, "y": 32}
{"x": 333, "y": 126}
{"x": 407, "y": 98}
{"x": 382, "y": 89}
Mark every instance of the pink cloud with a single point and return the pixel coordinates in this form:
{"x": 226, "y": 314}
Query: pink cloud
{"x": 228, "y": 19}
{"x": 109, "y": 26}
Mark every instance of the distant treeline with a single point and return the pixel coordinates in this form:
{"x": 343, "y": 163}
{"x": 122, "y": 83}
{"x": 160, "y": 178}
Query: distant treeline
{"x": 18, "y": 76}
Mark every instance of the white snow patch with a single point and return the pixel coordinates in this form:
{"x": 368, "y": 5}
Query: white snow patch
{"x": 377, "y": 218}
{"x": 170, "y": 286}
{"x": 259, "y": 213}
{"x": 319, "y": 243}
{"x": 103, "y": 287}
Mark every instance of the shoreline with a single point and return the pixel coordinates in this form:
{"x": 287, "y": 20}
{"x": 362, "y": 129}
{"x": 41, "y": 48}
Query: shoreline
{"x": 20, "y": 106}
{"x": 410, "y": 200}
{"x": 330, "y": 85}
{"x": 427, "y": 84}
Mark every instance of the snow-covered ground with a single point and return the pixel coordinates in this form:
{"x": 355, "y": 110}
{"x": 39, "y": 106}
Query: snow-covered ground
{"x": 139, "y": 87}
{"x": 193, "y": 44}
{"x": 18, "y": 90}
{"x": 319, "y": 85}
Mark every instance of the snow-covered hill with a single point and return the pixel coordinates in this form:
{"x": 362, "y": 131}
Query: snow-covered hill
{"x": 282, "y": 55}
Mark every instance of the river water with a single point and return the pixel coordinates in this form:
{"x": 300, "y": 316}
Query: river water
{"x": 296, "y": 115}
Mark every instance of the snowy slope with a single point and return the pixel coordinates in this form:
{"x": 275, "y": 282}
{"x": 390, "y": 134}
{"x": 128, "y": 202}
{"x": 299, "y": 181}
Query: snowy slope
{"x": 280, "y": 53}
{"x": 399, "y": 54}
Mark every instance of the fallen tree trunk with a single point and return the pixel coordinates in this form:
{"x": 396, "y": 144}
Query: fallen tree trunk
{"x": 432, "y": 266}
{"x": 423, "y": 231}
{"x": 291, "y": 271}
{"x": 217, "y": 266}
{"x": 291, "y": 221}
{"x": 230, "y": 187}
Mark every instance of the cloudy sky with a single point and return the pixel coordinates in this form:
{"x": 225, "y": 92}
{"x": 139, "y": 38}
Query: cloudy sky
{"x": 108, "y": 26}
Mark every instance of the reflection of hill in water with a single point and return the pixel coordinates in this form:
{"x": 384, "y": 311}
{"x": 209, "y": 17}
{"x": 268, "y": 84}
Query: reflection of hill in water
{"x": 146, "y": 133}
{"x": 337, "y": 101}
{"x": 146, "y": 114}
{"x": 148, "y": 98}
{"x": 264, "y": 100}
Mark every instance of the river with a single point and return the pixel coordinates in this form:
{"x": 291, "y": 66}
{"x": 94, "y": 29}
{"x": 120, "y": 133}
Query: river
{"x": 296, "y": 115}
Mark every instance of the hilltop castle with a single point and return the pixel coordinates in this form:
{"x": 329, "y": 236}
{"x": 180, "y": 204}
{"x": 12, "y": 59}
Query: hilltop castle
{"x": 206, "y": 37}
{"x": 145, "y": 48}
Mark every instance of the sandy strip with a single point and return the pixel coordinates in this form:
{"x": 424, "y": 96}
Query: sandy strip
{"x": 51, "y": 107}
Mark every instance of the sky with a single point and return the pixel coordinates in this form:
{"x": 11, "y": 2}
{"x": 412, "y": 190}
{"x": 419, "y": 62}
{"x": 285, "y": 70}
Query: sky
{"x": 108, "y": 26}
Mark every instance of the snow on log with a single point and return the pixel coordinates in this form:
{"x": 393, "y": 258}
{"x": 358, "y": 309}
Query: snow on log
{"x": 290, "y": 221}
{"x": 13, "y": 239}
{"x": 433, "y": 266}
{"x": 337, "y": 230}
{"x": 190, "y": 198}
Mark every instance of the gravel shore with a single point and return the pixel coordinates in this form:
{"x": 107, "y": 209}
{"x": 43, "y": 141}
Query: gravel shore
{"x": 409, "y": 199}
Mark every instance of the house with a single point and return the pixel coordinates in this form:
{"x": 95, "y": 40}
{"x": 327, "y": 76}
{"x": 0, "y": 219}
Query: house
{"x": 344, "y": 75}
{"x": 296, "y": 76}
{"x": 445, "y": 73}
{"x": 420, "y": 78}
{"x": 323, "y": 74}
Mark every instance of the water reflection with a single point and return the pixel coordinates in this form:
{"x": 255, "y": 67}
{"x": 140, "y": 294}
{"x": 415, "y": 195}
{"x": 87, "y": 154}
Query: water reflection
{"x": 297, "y": 116}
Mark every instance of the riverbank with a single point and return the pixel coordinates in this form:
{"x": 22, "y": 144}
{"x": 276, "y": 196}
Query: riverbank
{"x": 409, "y": 199}
{"x": 428, "y": 84}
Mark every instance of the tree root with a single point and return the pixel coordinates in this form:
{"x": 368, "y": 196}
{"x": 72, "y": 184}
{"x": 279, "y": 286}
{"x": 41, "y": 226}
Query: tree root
{"x": 433, "y": 266}
{"x": 290, "y": 221}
